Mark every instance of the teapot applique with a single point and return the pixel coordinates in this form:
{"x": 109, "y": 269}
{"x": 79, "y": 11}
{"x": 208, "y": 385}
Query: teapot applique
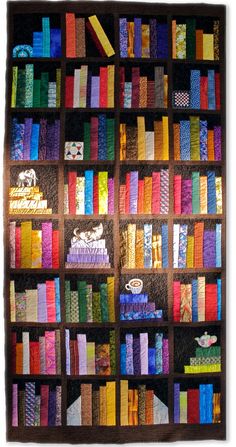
{"x": 205, "y": 341}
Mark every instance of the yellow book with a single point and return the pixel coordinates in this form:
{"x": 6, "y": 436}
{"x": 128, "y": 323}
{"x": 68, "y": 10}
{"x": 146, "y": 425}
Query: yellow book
{"x": 165, "y": 90}
{"x": 83, "y": 86}
{"x": 130, "y": 406}
{"x": 110, "y": 295}
{"x": 31, "y": 305}
{"x": 124, "y": 402}
{"x": 36, "y": 240}
{"x": 218, "y": 183}
{"x": 141, "y": 138}
{"x": 130, "y": 39}
{"x": 147, "y": 195}
{"x": 190, "y": 251}
{"x": 122, "y": 142}
{"x": 110, "y": 85}
{"x": 201, "y": 297}
{"x": 216, "y": 408}
{"x": 111, "y": 403}
{"x": 90, "y": 345}
{"x": 139, "y": 249}
{"x": 157, "y": 251}
{"x": 25, "y": 246}
{"x": 131, "y": 246}
{"x": 14, "y": 86}
{"x": 103, "y": 192}
{"x": 198, "y": 369}
{"x": 145, "y": 41}
{"x": 12, "y": 301}
{"x": 183, "y": 407}
{"x": 203, "y": 194}
{"x": 102, "y": 405}
{"x": 165, "y": 150}
{"x": 208, "y": 47}
{"x": 101, "y": 35}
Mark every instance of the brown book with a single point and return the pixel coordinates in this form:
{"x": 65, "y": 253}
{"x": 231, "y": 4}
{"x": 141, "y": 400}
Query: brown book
{"x": 141, "y": 404}
{"x": 216, "y": 408}
{"x": 176, "y": 130}
{"x": 158, "y": 140}
{"x": 150, "y": 94}
{"x": 198, "y": 244}
{"x": 95, "y": 403}
{"x": 80, "y": 46}
{"x": 102, "y": 360}
{"x": 102, "y": 405}
{"x": 86, "y": 404}
{"x": 143, "y": 92}
{"x": 199, "y": 44}
{"x": 149, "y": 407}
{"x": 131, "y": 143}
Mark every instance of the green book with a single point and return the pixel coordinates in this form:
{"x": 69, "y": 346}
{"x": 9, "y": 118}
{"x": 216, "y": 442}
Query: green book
{"x": 29, "y": 85}
{"x": 82, "y": 292}
{"x": 195, "y": 193}
{"x": 89, "y": 301}
{"x": 67, "y": 301}
{"x": 36, "y": 92}
{"x": 97, "y": 308}
{"x": 87, "y": 141}
{"x": 112, "y": 352}
{"x": 74, "y": 308}
{"x": 190, "y": 39}
{"x": 44, "y": 89}
{"x": 20, "y": 93}
{"x": 58, "y": 87}
{"x": 104, "y": 302}
{"x": 212, "y": 351}
{"x": 194, "y": 138}
{"x": 110, "y": 139}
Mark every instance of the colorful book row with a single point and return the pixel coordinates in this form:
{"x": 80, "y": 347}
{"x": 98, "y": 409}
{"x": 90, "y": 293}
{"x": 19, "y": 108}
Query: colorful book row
{"x": 189, "y": 42}
{"x": 143, "y": 247}
{"x": 197, "y": 301}
{"x": 199, "y": 194}
{"x": 194, "y": 140}
{"x": 45, "y": 43}
{"x": 197, "y": 247}
{"x": 86, "y": 89}
{"x": 40, "y": 305}
{"x": 142, "y": 91}
{"x": 85, "y": 357}
{"x": 36, "y": 354}
{"x": 206, "y": 360}
{"x": 36, "y": 406}
{"x": 87, "y": 305}
{"x": 196, "y": 405}
{"x": 33, "y": 248}
{"x": 143, "y": 40}
{"x": 27, "y": 200}
{"x": 137, "y": 357}
{"x": 89, "y": 194}
{"x": 135, "y": 306}
{"x": 28, "y": 91}
{"x": 149, "y": 195}
{"x": 137, "y": 143}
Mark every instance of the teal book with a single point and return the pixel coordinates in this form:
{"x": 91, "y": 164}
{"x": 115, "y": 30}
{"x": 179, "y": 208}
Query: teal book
{"x": 67, "y": 301}
{"x": 36, "y": 93}
{"x": 82, "y": 292}
{"x": 29, "y": 85}
{"x": 195, "y": 193}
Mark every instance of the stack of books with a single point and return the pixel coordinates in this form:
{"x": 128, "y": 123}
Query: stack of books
{"x": 141, "y": 247}
{"x": 137, "y": 357}
{"x": 206, "y": 360}
{"x": 143, "y": 91}
{"x": 38, "y": 305}
{"x": 199, "y": 194}
{"x": 147, "y": 195}
{"x": 198, "y": 247}
{"x": 34, "y": 248}
{"x": 87, "y": 305}
{"x": 137, "y": 307}
{"x": 138, "y": 143}
{"x": 143, "y": 38}
{"x": 27, "y": 200}
{"x": 36, "y": 354}
{"x": 89, "y": 357}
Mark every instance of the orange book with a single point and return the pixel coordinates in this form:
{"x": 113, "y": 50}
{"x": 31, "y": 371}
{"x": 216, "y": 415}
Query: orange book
{"x": 130, "y": 406}
{"x": 135, "y": 407}
{"x": 140, "y": 196}
{"x": 19, "y": 358}
{"x": 176, "y": 130}
{"x": 158, "y": 140}
{"x": 198, "y": 244}
{"x": 149, "y": 407}
{"x": 139, "y": 249}
{"x": 210, "y": 145}
{"x": 147, "y": 195}
{"x": 199, "y": 44}
{"x": 174, "y": 39}
{"x": 130, "y": 39}
{"x": 70, "y": 35}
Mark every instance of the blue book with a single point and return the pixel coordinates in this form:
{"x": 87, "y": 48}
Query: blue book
{"x": 203, "y": 140}
{"x": 211, "y": 90}
{"x": 194, "y": 300}
{"x": 137, "y": 37}
{"x": 88, "y": 193}
{"x": 34, "y": 142}
{"x": 195, "y": 89}
{"x": 102, "y": 137}
{"x": 202, "y": 404}
{"x": 183, "y": 233}
{"x": 151, "y": 361}
{"x": 46, "y": 36}
{"x": 184, "y": 140}
{"x": 123, "y": 38}
{"x": 58, "y": 305}
{"x": 209, "y": 403}
{"x": 218, "y": 299}
{"x": 162, "y": 40}
{"x": 176, "y": 403}
{"x": 147, "y": 245}
{"x": 37, "y": 44}
{"x": 123, "y": 358}
{"x": 158, "y": 349}
{"x": 17, "y": 140}
{"x": 133, "y": 298}
{"x": 164, "y": 238}
{"x": 218, "y": 245}
{"x": 211, "y": 192}
{"x": 55, "y": 42}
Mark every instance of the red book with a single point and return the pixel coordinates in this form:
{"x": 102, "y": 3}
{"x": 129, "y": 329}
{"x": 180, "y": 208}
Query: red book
{"x": 72, "y": 191}
{"x": 44, "y": 393}
{"x": 204, "y": 92}
{"x": 127, "y": 193}
{"x": 70, "y": 35}
{"x": 51, "y": 301}
{"x": 156, "y": 182}
{"x": 95, "y": 39}
{"x": 193, "y": 406}
{"x": 94, "y": 138}
{"x": 122, "y": 86}
{"x": 55, "y": 249}
{"x": 217, "y": 90}
{"x": 95, "y": 194}
{"x": 211, "y": 302}
{"x": 13, "y": 352}
{"x": 34, "y": 358}
{"x": 17, "y": 247}
{"x": 103, "y": 87}
{"x": 140, "y": 196}
{"x": 177, "y": 194}
{"x": 176, "y": 301}
{"x": 69, "y": 91}
{"x": 135, "y": 87}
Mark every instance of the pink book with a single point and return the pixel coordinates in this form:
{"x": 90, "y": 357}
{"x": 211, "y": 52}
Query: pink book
{"x": 103, "y": 87}
{"x": 44, "y": 393}
{"x": 176, "y": 301}
{"x": 50, "y": 348}
{"x": 110, "y": 195}
{"x": 127, "y": 193}
{"x": 17, "y": 246}
{"x": 156, "y": 181}
{"x": 15, "y": 405}
{"x": 12, "y": 235}
{"x": 177, "y": 194}
{"x": 50, "y": 300}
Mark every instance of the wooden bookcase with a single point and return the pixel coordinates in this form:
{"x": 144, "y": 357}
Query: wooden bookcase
{"x": 120, "y": 434}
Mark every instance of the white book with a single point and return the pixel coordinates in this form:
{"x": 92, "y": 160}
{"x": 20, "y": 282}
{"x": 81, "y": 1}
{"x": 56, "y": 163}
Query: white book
{"x": 160, "y": 411}
{"x": 144, "y": 352}
{"x": 26, "y": 353}
{"x": 76, "y": 97}
{"x": 149, "y": 143}
{"x": 176, "y": 246}
{"x": 74, "y": 413}
{"x": 82, "y": 350}
{"x": 80, "y": 188}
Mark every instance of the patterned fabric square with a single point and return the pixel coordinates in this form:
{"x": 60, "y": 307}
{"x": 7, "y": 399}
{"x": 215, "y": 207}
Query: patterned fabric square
{"x": 181, "y": 99}
{"x": 74, "y": 150}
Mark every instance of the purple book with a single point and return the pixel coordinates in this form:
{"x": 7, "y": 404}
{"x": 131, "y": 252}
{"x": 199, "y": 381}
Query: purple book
{"x": 110, "y": 195}
{"x": 176, "y": 403}
{"x": 129, "y": 354}
{"x": 137, "y": 37}
{"x": 43, "y": 139}
{"x": 136, "y": 356}
{"x": 27, "y": 138}
{"x": 95, "y": 91}
{"x": 47, "y": 245}
{"x": 56, "y": 147}
{"x": 123, "y": 38}
{"x": 162, "y": 40}
{"x": 153, "y": 37}
{"x": 52, "y": 408}
{"x": 42, "y": 306}
{"x": 133, "y": 204}
{"x": 186, "y": 196}
{"x": 50, "y": 141}
{"x": 165, "y": 356}
{"x": 209, "y": 249}
{"x": 217, "y": 142}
